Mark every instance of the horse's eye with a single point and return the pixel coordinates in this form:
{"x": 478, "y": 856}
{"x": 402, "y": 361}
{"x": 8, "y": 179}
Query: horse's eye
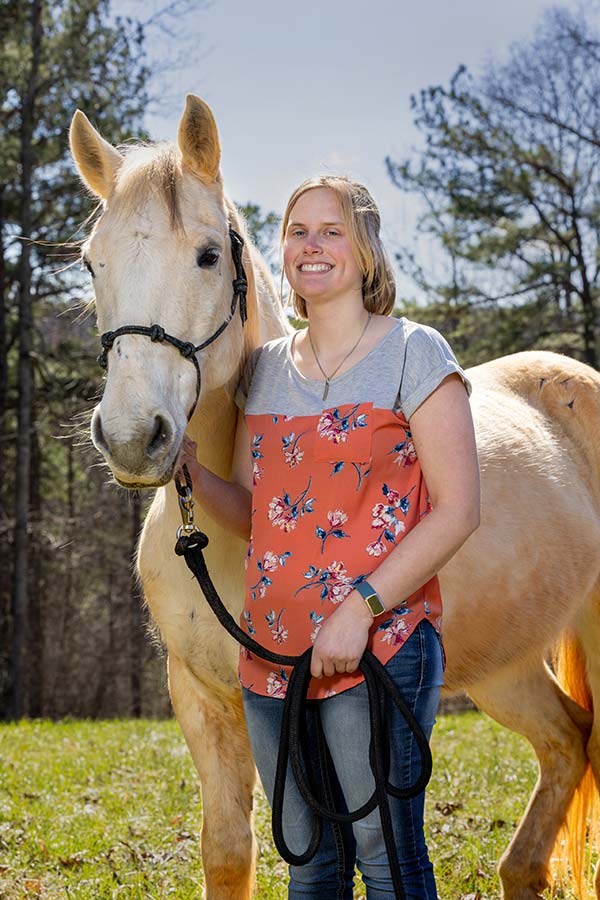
{"x": 207, "y": 259}
{"x": 88, "y": 266}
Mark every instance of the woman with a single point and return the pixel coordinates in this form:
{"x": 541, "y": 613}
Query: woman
{"x": 356, "y": 479}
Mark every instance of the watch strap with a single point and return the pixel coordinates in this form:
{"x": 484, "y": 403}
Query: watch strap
{"x": 371, "y": 598}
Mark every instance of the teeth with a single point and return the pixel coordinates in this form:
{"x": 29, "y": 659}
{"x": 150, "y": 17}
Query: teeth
{"x": 315, "y": 267}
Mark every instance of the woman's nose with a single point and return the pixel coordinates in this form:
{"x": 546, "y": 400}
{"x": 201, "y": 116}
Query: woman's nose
{"x": 312, "y": 244}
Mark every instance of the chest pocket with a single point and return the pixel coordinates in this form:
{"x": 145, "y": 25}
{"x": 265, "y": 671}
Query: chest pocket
{"x": 344, "y": 434}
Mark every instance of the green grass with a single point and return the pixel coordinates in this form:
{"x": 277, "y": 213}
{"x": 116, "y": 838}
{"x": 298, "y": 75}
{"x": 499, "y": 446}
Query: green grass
{"x": 93, "y": 810}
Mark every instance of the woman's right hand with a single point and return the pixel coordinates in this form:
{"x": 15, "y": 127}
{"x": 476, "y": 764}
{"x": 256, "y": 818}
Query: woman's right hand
{"x": 227, "y": 502}
{"x": 188, "y": 457}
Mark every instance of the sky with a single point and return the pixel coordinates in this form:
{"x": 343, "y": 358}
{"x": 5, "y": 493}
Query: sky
{"x": 298, "y": 89}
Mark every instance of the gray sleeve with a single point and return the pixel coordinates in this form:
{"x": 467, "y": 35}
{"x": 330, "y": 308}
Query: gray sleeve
{"x": 243, "y": 388}
{"x": 428, "y": 360}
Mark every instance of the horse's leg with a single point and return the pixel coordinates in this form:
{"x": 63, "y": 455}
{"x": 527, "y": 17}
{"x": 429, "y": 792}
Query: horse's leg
{"x": 218, "y": 741}
{"x": 589, "y": 638}
{"x": 531, "y": 702}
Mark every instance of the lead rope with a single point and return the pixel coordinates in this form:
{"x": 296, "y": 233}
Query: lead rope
{"x": 191, "y": 541}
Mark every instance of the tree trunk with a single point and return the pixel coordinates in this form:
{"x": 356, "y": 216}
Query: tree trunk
{"x": 35, "y": 655}
{"x": 6, "y": 555}
{"x": 3, "y": 362}
{"x": 137, "y": 616}
{"x": 590, "y": 355}
{"x": 20, "y": 596}
{"x": 65, "y": 609}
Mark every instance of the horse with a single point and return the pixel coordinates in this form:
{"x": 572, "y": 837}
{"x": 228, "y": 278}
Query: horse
{"x": 525, "y": 582}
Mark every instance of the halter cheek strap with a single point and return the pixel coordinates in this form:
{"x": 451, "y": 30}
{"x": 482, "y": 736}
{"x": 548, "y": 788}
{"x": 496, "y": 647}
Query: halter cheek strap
{"x": 157, "y": 333}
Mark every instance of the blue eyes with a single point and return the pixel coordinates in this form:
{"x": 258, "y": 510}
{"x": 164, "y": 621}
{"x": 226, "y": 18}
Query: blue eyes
{"x": 330, "y": 232}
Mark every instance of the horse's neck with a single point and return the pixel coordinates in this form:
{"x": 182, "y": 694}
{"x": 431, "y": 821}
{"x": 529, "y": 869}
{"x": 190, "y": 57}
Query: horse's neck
{"x": 272, "y": 319}
{"x": 212, "y": 427}
{"x": 266, "y": 318}
{"x": 214, "y": 422}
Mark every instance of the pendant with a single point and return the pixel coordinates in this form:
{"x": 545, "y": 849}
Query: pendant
{"x": 326, "y": 389}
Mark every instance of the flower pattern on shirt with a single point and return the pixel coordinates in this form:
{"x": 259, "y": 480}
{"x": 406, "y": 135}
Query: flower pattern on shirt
{"x": 317, "y": 621}
{"x": 385, "y": 519}
{"x": 334, "y": 581}
{"x": 277, "y": 683}
{"x": 292, "y": 453}
{"x": 407, "y": 455}
{"x": 248, "y": 620}
{"x": 278, "y": 632}
{"x": 336, "y": 427}
{"x": 321, "y": 476}
{"x": 284, "y": 512}
{"x": 335, "y": 517}
{"x": 257, "y": 470}
{"x": 269, "y": 563}
{"x": 361, "y": 469}
{"x": 394, "y": 630}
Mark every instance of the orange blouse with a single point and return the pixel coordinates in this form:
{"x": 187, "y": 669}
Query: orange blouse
{"x": 332, "y": 494}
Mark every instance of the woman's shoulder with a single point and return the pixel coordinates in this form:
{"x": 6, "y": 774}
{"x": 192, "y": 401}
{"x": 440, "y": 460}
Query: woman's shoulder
{"x": 426, "y": 332}
{"x": 428, "y": 360}
{"x": 277, "y": 345}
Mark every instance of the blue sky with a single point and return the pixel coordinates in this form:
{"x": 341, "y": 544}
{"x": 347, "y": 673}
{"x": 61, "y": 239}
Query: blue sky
{"x": 302, "y": 88}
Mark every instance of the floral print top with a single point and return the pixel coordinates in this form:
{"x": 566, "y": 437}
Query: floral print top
{"x": 333, "y": 493}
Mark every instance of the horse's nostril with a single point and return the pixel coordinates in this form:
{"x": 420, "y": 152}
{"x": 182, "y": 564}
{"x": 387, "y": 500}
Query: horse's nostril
{"x": 160, "y": 438}
{"x": 97, "y": 433}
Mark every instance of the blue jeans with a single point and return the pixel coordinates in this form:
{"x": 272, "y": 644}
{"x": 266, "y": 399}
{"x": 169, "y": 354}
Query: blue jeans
{"x": 417, "y": 670}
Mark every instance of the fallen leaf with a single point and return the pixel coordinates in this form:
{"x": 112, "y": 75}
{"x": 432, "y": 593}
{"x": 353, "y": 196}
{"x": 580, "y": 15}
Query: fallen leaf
{"x": 183, "y": 836}
{"x": 447, "y": 808}
{"x": 33, "y": 886}
{"x": 72, "y": 862}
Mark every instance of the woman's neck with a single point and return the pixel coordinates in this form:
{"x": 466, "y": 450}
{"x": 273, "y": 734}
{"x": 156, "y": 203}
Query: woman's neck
{"x": 336, "y": 325}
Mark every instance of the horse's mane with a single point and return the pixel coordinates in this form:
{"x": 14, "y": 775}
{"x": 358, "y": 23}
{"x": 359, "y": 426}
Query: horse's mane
{"x": 146, "y": 166}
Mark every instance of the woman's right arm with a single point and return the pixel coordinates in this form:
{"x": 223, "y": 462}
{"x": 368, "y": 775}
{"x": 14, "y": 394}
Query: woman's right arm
{"x": 227, "y": 502}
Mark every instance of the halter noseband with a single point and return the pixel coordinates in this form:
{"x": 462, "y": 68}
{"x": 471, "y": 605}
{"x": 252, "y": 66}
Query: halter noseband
{"x": 157, "y": 333}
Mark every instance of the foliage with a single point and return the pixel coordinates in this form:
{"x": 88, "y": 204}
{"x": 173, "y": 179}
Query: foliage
{"x": 264, "y": 230}
{"x": 510, "y": 178}
{"x": 57, "y": 56}
{"x": 112, "y": 809}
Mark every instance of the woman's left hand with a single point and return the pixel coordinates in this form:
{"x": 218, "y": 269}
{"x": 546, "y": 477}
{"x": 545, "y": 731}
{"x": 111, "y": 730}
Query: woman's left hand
{"x": 342, "y": 638}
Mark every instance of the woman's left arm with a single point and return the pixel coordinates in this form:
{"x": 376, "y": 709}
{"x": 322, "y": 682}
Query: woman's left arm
{"x": 444, "y": 439}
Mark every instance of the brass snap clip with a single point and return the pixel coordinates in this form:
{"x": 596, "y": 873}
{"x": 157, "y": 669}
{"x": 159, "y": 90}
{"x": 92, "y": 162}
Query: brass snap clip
{"x": 186, "y": 503}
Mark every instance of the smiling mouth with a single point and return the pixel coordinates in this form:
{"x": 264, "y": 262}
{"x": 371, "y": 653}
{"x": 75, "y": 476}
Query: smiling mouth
{"x": 315, "y": 267}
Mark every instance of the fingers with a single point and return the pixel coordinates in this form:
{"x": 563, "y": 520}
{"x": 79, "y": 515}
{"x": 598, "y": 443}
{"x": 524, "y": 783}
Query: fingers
{"x": 326, "y": 668}
{"x": 189, "y": 446}
{"x": 316, "y": 667}
{"x": 187, "y": 454}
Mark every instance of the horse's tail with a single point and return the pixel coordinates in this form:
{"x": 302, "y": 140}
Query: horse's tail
{"x": 578, "y": 840}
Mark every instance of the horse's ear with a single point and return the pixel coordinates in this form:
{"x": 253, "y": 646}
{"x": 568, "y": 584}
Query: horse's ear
{"x": 199, "y": 139}
{"x": 96, "y": 159}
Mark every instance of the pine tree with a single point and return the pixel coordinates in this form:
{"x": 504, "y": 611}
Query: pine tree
{"x": 510, "y": 173}
{"x": 56, "y": 56}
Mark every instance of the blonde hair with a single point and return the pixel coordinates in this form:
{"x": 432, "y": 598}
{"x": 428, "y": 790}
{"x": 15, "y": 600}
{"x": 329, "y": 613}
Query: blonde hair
{"x": 363, "y": 223}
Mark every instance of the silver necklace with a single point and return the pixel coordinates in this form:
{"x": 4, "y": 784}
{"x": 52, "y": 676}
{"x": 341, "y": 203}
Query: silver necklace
{"x": 327, "y": 377}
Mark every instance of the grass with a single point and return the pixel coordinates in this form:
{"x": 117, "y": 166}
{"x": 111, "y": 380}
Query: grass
{"x": 94, "y": 810}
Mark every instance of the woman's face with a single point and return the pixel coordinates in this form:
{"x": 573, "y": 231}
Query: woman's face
{"x": 317, "y": 255}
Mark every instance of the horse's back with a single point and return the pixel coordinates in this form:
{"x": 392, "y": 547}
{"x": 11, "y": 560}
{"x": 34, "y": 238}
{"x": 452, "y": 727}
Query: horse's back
{"x": 524, "y": 574}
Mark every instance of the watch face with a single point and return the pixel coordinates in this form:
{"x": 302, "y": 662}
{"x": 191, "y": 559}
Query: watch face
{"x": 375, "y": 604}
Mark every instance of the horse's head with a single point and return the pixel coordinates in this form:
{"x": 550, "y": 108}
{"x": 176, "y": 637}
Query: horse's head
{"x": 160, "y": 255}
